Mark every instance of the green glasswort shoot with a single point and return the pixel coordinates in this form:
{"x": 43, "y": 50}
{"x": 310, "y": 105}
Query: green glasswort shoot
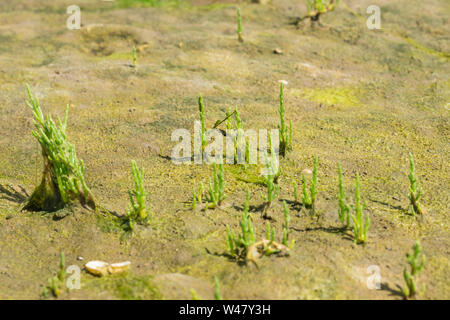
{"x": 134, "y": 57}
{"x": 137, "y": 212}
{"x": 416, "y": 261}
{"x": 215, "y": 195}
{"x": 309, "y": 199}
{"x": 270, "y": 182}
{"x": 286, "y": 224}
{"x": 63, "y": 175}
{"x": 285, "y": 136}
{"x": 201, "y": 108}
{"x": 197, "y": 196}
{"x": 415, "y": 191}
{"x": 360, "y": 228}
{"x": 270, "y": 232}
{"x": 57, "y": 282}
{"x": 344, "y": 208}
{"x": 217, "y": 295}
{"x": 315, "y": 8}
{"x": 238, "y": 245}
{"x": 239, "y": 26}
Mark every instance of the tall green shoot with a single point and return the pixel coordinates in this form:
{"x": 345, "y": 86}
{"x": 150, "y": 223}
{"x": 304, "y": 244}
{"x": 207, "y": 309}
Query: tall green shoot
{"x": 415, "y": 192}
{"x": 344, "y": 208}
{"x": 239, "y": 26}
{"x": 360, "y": 227}
{"x": 285, "y": 134}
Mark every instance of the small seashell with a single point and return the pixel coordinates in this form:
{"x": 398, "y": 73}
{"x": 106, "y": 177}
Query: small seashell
{"x": 119, "y": 267}
{"x": 283, "y": 82}
{"x": 277, "y": 51}
{"x": 98, "y": 268}
{"x": 306, "y": 171}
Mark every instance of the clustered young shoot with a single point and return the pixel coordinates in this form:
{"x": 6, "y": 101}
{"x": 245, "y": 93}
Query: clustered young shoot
{"x": 416, "y": 262}
{"x": 57, "y": 282}
{"x": 216, "y": 192}
{"x": 138, "y": 210}
{"x": 238, "y": 245}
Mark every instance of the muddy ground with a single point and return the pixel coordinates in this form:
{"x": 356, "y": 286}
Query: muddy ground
{"x": 364, "y": 98}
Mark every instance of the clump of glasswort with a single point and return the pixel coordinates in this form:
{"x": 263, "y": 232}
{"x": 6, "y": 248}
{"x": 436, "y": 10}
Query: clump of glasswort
{"x": 416, "y": 262}
{"x": 56, "y": 282}
{"x": 238, "y": 245}
{"x": 415, "y": 191}
{"x": 284, "y": 135}
{"x": 360, "y": 228}
{"x": 344, "y": 208}
{"x": 216, "y": 195}
{"x": 137, "y": 211}
{"x": 239, "y": 26}
{"x": 63, "y": 175}
{"x": 134, "y": 55}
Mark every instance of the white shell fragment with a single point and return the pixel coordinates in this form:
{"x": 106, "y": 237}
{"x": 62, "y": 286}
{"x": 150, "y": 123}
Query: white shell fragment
{"x": 100, "y": 268}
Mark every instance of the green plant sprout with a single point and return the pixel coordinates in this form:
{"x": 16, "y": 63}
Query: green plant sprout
{"x": 197, "y": 196}
{"x": 270, "y": 232}
{"x": 238, "y": 245}
{"x": 134, "y": 57}
{"x": 270, "y": 181}
{"x": 285, "y": 136}
{"x": 344, "y": 208}
{"x": 201, "y": 108}
{"x": 415, "y": 191}
{"x": 63, "y": 175}
{"x": 239, "y": 26}
{"x": 315, "y": 8}
{"x": 309, "y": 198}
{"x": 416, "y": 261}
{"x": 360, "y": 228}
{"x": 137, "y": 211}
{"x": 286, "y": 224}
{"x": 56, "y": 282}
{"x": 217, "y": 295}
{"x": 215, "y": 195}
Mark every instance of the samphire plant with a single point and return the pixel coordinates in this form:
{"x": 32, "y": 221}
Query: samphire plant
{"x": 416, "y": 261}
{"x": 216, "y": 192}
{"x": 239, "y": 26}
{"x": 201, "y": 107}
{"x": 308, "y": 198}
{"x": 134, "y": 55}
{"x": 238, "y": 245}
{"x": 344, "y": 208}
{"x": 285, "y": 134}
{"x": 315, "y": 8}
{"x": 138, "y": 211}
{"x": 197, "y": 196}
{"x": 63, "y": 175}
{"x": 217, "y": 294}
{"x": 360, "y": 227}
{"x": 57, "y": 282}
{"x": 286, "y": 226}
{"x": 270, "y": 180}
{"x": 415, "y": 192}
